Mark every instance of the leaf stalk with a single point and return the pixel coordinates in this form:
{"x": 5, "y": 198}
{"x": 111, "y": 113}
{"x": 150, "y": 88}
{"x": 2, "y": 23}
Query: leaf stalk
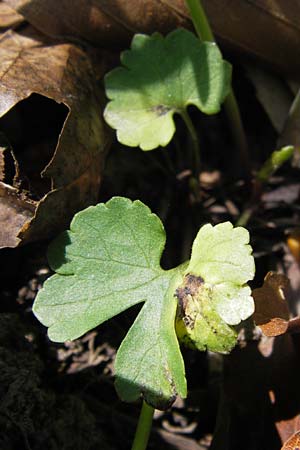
{"x": 194, "y": 137}
{"x": 143, "y": 428}
{"x": 200, "y": 21}
{"x": 273, "y": 163}
{"x": 232, "y": 111}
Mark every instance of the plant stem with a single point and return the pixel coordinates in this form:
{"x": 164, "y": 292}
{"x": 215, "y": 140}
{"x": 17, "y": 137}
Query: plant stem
{"x": 270, "y": 166}
{"x": 143, "y": 428}
{"x": 290, "y": 124}
{"x": 238, "y": 133}
{"x": 273, "y": 163}
{"x": 200, "y": 20}
{"x": 168, "y": 160}
{"x": 205, "y": 33}
{"x": 158, "y": 164}
{"x": 295, "y": 107}
{"x": 245, "y": 217}
{"x": 194, "y": 137}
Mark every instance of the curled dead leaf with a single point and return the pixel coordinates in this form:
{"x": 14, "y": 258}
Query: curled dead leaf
{"x": 9, "y": 18}
{"x": 101, "y": 22}
{"x": 293, "y": 443}
{"x": 264, "y": 29}
{"x": 288, "y": 426}
{"x": 271, "y": 308}
{"x": 52, "y": 137}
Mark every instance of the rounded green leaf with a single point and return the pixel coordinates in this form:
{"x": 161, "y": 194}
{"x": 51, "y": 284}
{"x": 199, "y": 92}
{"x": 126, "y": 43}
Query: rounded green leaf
{"x": 162, "y": 76}
{"x": 108, "y": 261}
{"x": 104, "y": 265}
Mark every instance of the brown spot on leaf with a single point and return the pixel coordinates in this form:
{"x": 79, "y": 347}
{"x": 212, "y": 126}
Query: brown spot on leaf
{"x": 161, "y": 110}
{"x": 271, "y": 308}
{"x": 190, "y": 286}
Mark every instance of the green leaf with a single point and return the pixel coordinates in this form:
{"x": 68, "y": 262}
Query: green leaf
{"x": 108, "y": 262}
{"x": 162, "y": 76}
{"x": 214, "y": 295}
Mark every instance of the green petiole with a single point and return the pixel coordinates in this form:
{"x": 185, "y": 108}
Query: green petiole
{"x": 143, "y": 429}
{"x": 205, "y": 33}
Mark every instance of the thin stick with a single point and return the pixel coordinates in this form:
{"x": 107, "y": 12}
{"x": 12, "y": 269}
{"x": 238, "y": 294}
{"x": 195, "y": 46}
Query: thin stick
{"x": 143, "y": 428}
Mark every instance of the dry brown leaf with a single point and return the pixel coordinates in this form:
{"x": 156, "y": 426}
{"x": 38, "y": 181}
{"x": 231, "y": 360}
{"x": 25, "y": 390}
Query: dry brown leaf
{"x": 9, "y": 18}
{"x": 101, "y": 22}
{"x": 52, "y": 153}
{"x": 287, "y": 427}
{"x": 262, "y": 28}
{"x": 267, "y": 29}
{"x": 271, "y": 308}
{"x": 293, "y": 443}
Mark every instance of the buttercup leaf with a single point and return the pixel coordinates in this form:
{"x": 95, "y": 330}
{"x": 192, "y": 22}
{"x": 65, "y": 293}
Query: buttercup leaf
{"x": 162, "y": 76}
{"x": 106, "y": 263}
{"x": 109, "y": 260}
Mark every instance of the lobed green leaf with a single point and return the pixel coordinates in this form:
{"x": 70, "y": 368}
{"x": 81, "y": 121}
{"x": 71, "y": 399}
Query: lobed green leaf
{"x": 108, "y": 261}
{"x": 162, "y": 76}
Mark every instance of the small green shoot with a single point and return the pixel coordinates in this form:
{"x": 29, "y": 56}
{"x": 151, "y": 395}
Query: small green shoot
{"x": 110, "y": 261}
{"x": 273, "y": 163}
{"x": 162, "y": 76}
{"x": 270, "y": 166}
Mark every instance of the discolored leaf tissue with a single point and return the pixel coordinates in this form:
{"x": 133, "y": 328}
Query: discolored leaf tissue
{"x": 214, "y": 295}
